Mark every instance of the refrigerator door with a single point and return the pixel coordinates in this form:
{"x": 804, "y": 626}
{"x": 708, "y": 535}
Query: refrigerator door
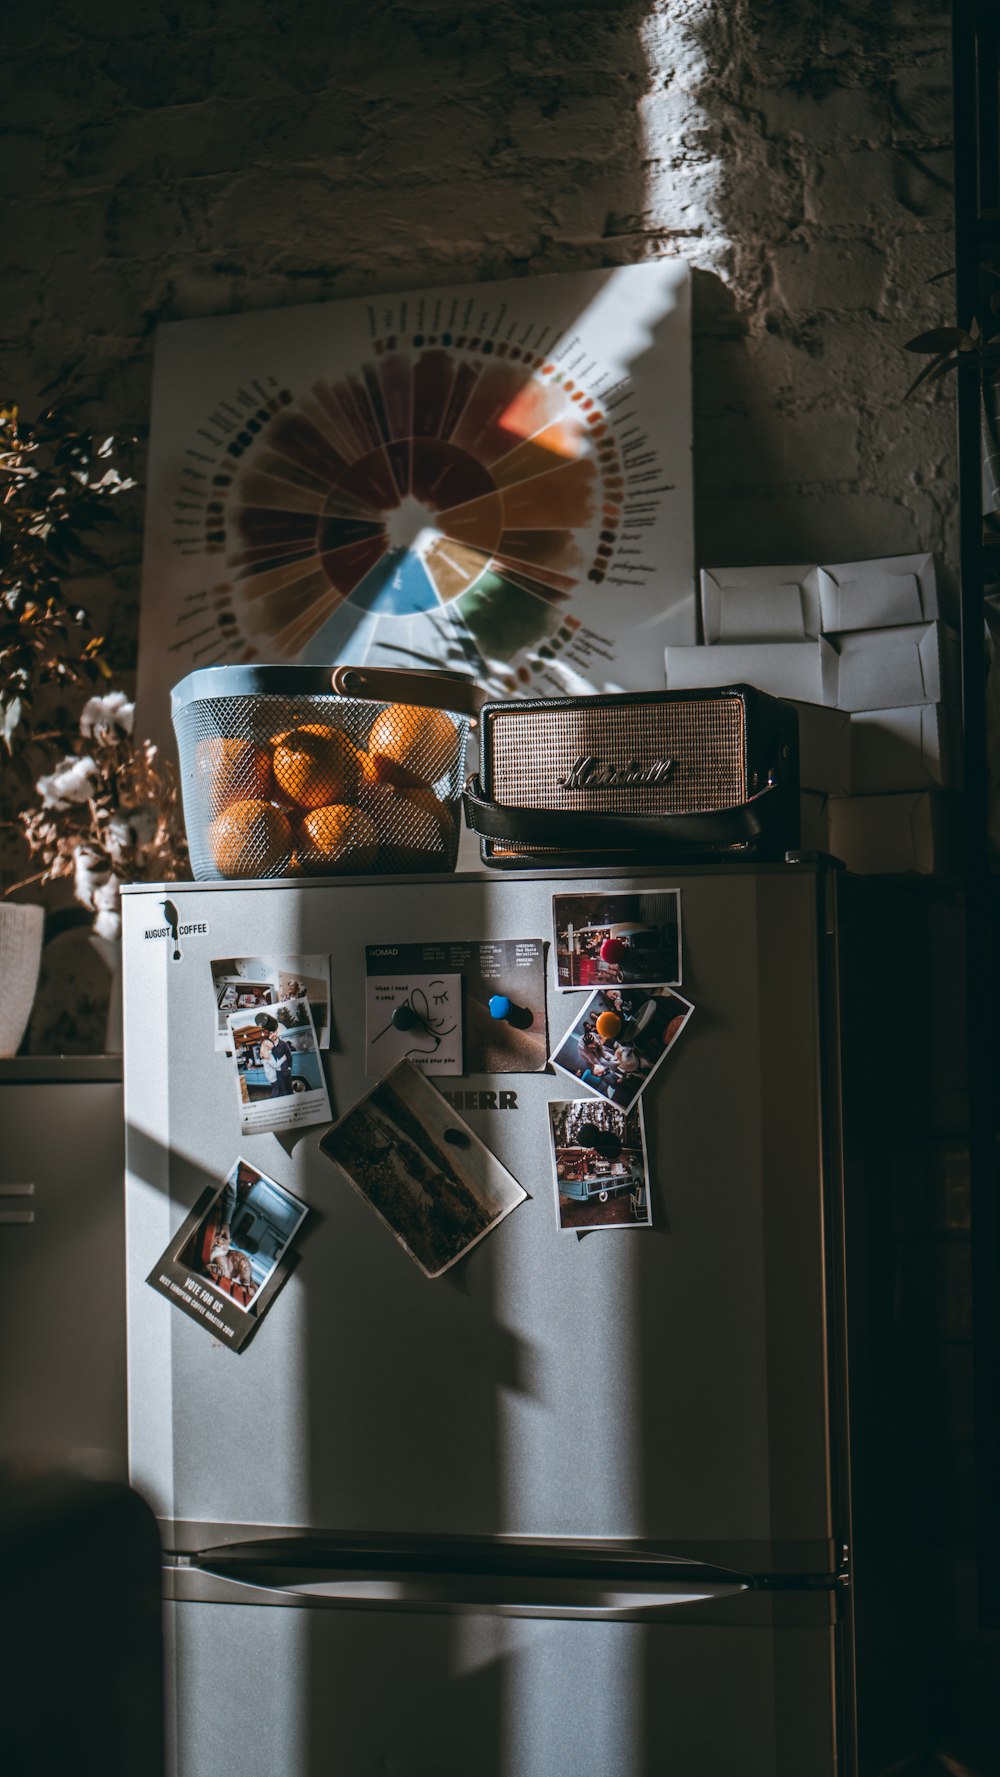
{"x": 357, "y": 1692}
{"x": 666, "y": 1384}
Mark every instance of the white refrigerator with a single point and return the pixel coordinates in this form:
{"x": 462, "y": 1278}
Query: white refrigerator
{"x": 580, "y": 1505}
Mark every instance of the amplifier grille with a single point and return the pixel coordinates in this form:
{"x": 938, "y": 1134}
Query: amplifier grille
{"x": 530, "y": 750}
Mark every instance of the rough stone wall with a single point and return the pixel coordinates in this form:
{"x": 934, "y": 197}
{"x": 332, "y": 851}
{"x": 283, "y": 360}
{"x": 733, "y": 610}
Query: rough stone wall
{"x": 162, "y": 162}
{"x": 831, "y": 129}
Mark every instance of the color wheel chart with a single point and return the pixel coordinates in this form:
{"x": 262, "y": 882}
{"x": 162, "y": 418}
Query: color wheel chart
{"x": 494, "y": 478}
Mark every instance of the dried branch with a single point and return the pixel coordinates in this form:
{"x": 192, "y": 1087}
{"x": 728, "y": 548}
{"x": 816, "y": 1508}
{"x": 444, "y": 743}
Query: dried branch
{"x": 56, "y": 481}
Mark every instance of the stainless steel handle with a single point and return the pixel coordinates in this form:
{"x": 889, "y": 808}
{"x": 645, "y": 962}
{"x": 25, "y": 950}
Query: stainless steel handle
{"x": 12, "y": 1217}
{"x": 497, "y": 1594}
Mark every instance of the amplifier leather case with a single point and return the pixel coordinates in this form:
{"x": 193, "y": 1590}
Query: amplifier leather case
{"x": 671, "y": 776}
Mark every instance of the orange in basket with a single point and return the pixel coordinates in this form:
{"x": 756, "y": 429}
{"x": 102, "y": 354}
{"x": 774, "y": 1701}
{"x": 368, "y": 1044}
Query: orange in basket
{"x": 378, "y": 768}
{"x": 316, "y": 766}
{"x": 340, "y": 833}
{"x": 427, "y": 801}
{"x": 250, "y": 839}
{"x": 425, "y": 741}
{"x": 414, "y": 827}
{"x": 228, "y": 771}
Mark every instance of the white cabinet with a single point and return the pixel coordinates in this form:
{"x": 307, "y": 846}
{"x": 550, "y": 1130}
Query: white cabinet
{"x": 62, "y": 1263}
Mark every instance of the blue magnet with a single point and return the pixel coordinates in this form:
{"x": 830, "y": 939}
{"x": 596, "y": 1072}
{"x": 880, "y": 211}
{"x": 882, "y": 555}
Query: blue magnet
{"x": 500, "y": 1006}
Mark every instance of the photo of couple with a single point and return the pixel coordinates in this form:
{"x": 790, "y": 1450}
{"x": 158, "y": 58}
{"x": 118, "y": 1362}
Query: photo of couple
{"x": 278, "y": 1070}
{"x": 275, "y": 1056}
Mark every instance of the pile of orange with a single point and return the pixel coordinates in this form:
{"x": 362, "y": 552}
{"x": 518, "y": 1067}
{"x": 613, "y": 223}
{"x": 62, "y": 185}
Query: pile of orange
{"x": 315, "y": 800}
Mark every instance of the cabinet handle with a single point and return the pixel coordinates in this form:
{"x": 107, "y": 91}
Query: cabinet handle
{"x": 10, "y": 1217}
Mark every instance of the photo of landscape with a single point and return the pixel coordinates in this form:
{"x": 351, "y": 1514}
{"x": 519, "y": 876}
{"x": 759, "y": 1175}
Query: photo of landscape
{"x": 422, "y": 1169}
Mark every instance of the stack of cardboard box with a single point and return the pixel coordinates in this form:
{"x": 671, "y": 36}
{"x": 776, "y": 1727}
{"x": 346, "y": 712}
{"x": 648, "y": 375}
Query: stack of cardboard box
{"x": 860, "y": 649}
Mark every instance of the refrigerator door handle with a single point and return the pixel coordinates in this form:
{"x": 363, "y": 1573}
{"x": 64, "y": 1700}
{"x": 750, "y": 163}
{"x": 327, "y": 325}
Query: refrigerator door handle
{"x": 504, "y": 1594}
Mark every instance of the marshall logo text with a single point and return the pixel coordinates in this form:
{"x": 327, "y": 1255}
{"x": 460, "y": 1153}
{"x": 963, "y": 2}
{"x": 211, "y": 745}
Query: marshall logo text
{"x": 589, "y": 773}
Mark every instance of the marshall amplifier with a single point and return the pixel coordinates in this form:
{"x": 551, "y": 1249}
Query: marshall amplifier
{"x": 672, "y": 776}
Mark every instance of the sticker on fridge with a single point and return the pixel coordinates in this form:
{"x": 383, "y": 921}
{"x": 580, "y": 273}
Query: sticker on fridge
{"x": 279, "y": 1074}
{"x": 231, "y": 1255}
{"x": 618, "y": 939}
{"x": 620, "y": 1038}
{"x": 599, "y": 1165}
{"x": 424, "y": 1172}
{"x": 413, "y": 1017}
{"x": 248, "y": 983}
{"x": 503, "y": 996}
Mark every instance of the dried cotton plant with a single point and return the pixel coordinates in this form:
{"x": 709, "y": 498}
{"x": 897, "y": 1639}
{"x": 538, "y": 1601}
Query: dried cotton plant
{"x": 107, "y": 814}
{"x": 56, "y": 484}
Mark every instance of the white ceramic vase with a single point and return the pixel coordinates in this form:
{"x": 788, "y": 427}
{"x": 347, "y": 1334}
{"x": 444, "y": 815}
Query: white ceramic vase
{"x": 21, "y": 929}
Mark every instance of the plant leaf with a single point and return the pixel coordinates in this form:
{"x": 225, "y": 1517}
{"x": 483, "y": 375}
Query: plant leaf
{"x": 938, "y": 367}
{"x": 11, "y": 713}
{"x": 940, "y": 339}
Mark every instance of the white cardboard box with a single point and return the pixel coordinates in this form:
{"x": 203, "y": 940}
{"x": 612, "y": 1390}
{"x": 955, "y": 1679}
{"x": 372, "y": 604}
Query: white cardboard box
{"x": 891, "y": 835}
{"x": 814, "y": 832}
{"x": 760, "y": 604}
{"x": 886, "y": 669}
{"x": 824, "y": 748}
{"x": 903, "y": 749}
{"x": 881, "y": 594}
{"x": 801, "y": 601}
{"x": 803, "y": 671}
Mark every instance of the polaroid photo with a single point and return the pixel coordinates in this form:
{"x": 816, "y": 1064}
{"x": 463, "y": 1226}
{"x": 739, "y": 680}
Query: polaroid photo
{"x": 244, "y": 983}
{"x": 424, "y": 1172}
{"x": 599, "y": 1165}
{"x": 413, "y": 1017}
{"x": 279, "y": 1073}
{"x": 617, "y": 940}
{"x": 620, "y": 1038}
{"x": 231, "y": 1255}
{"x": 232, "y": 994}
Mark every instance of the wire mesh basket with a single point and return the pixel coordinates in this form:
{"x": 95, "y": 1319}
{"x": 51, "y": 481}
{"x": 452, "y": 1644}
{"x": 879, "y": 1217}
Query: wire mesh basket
{"x": 292, "y": 771}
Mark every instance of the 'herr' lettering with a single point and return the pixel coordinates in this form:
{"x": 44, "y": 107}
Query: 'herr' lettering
{"x": 481, "y": 1101}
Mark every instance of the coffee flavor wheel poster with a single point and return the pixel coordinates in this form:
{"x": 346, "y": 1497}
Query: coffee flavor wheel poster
{"x": 494, "y": 478}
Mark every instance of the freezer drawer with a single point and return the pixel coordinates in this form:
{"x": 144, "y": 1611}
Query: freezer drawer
{"x": 342, "y": 1693}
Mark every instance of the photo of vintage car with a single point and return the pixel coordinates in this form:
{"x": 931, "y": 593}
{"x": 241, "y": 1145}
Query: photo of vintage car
{"x": 582, "y": 1173}
{"x": 600, "y": 1165}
